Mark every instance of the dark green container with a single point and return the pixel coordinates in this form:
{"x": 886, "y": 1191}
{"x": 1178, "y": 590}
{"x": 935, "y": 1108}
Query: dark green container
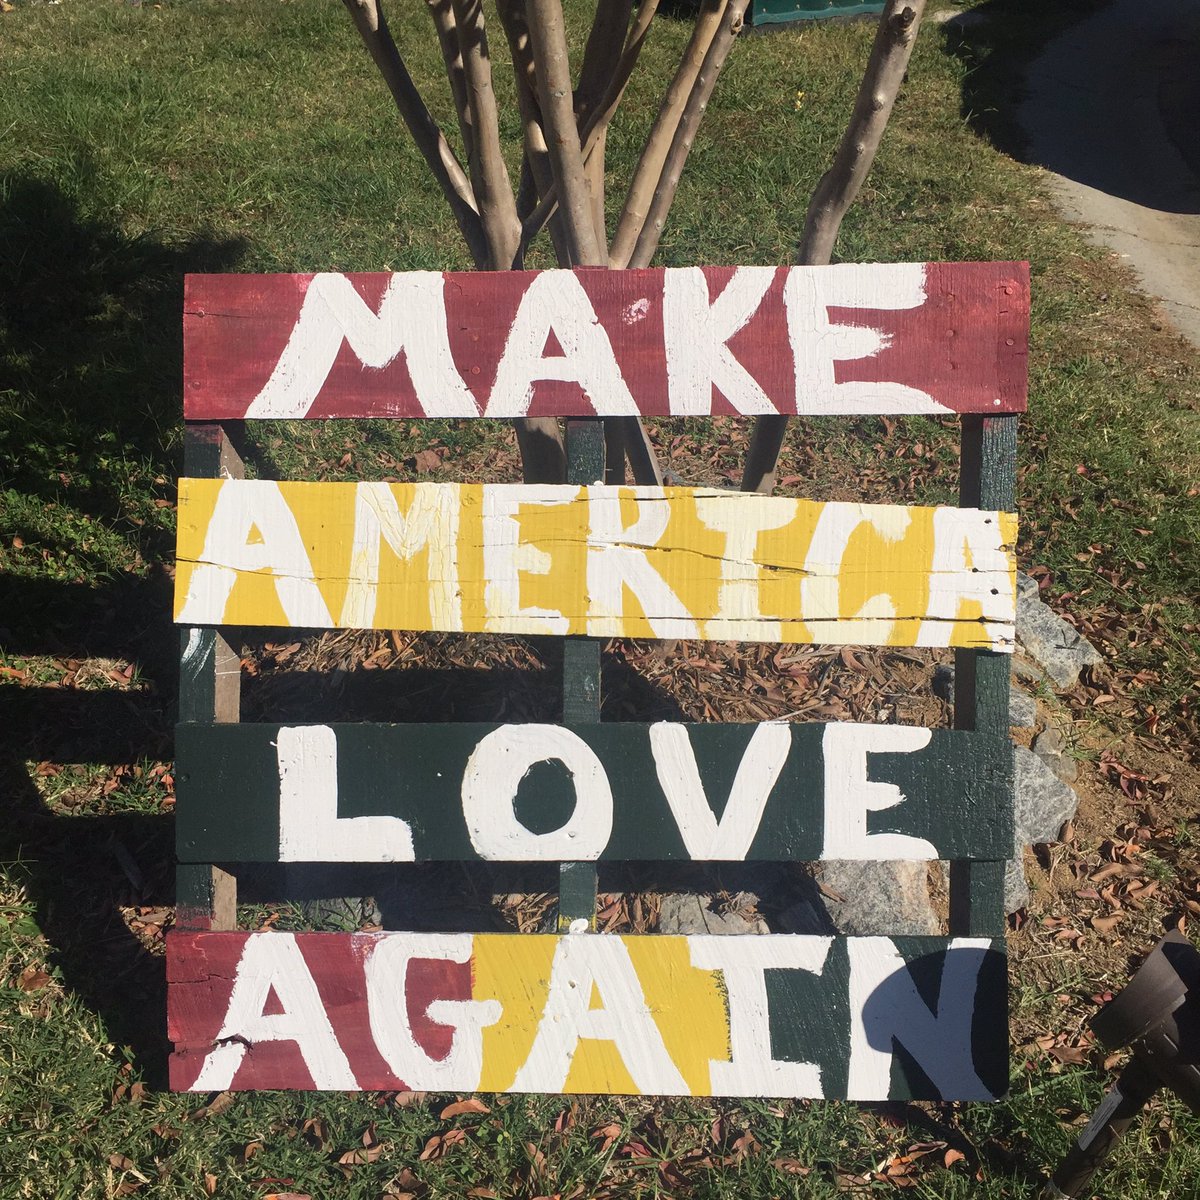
{"x": 778, "y": 12}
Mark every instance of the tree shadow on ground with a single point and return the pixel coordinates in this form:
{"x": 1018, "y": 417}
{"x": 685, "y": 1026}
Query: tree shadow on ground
{"x": 1112, "y": 107}
{"x": 90, "y": 366}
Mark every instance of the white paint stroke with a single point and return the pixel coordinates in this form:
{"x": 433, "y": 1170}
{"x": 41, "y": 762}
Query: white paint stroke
{"x": 411, "y": 321}
{"x": 309, "y": 828}
{"x": 705, "y": 837}
{"x": 272, "y": 962}
{"x": 498, "y": 764}
{"x": 850, "y": 795}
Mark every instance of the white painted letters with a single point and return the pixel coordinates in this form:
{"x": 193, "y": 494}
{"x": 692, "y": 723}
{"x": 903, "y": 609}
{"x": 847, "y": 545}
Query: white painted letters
{"x": 387, "y": 1009}
{"x": 885, "y": 1007}
{"x": 584, "y": 963}
{"x": 411, "y": 321}
{"x": 704, "y": 836}
{"x": 751, "y": 1071}
{"x": 309, "y": 828}
{"x": 850, "y": 795}
{"x": 270, "y": 964}
{"x": 489, "y": 789}
{"x": 253, "y": 530}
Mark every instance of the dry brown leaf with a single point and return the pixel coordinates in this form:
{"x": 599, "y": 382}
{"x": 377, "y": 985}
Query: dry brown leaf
{"x": 218, "y": 1104}
{"x": 32, "y": 979}
{"x": 953, "y": 1156}
{"x": 791, "y": 1166}
{"x": 471, "y": 1105}
{"x": 1105, "y": 924}
{"x": 359, "y": 1158}
{"x": 427, "y": 460}
{"x": 210, "y": 1184}
{"x": 1069, "y": 1054}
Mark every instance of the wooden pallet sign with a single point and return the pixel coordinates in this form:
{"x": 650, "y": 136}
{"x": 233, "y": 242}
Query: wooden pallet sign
{"x": 623, "y": 792}
{"x": 865, "y": 1018}
{"x": 900, "y": 338}
{"x": 781, "y": 1015}
{"x": 600, "y": 561}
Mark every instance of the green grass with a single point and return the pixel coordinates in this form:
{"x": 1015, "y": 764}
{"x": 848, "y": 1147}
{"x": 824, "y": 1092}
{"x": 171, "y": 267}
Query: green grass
{"x": 140, "y": 143}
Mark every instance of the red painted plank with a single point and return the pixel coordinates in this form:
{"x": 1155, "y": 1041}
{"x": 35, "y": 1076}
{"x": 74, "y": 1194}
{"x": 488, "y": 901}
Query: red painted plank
{"x": 784, "y": 1015}
{"x": 942, "y": 337}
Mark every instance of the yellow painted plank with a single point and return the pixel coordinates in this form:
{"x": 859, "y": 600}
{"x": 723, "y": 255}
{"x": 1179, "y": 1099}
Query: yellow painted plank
{"x": 597, "y": 561}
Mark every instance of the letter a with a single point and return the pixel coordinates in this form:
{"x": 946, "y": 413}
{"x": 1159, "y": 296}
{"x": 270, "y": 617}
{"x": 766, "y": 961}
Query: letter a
{"x": 246, "y": 508}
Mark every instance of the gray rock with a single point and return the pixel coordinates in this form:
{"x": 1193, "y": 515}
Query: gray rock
{"x": 1022, "y": 709}
{"x": 1016, "y": 887}
{"x": 685, "y": 912}
{"x": 1044, "y": 803}
{"x": 1049, "y": 747}
{"x": 879, "y": 897}
{"x": 1050, "y": 641}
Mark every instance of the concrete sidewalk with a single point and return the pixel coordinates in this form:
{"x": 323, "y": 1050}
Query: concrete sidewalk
{"x": 1113, "y": 110}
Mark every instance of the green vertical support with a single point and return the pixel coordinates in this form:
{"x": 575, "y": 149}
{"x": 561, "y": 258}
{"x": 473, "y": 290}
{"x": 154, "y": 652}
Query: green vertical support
{"x": 209, "y": 691}
{"x": 981, "y": 677}
{"x": 581, "y": 675}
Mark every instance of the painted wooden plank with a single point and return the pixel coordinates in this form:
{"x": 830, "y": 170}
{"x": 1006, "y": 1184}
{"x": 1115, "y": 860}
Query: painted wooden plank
{"x": 783, "y": 1015}
{"x": 210, "y": 689}
{"x": 982, "y": 679}
{"x": 668, "y": 791}
{"x": 577, "y": 882}
{"x": 851, "y": 338}
{"x": 602, "y": 561}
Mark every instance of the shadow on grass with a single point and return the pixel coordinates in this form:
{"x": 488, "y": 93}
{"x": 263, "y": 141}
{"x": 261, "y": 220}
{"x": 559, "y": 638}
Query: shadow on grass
{"x": 89, "y": 410}
{"x": 1110, "y": 105}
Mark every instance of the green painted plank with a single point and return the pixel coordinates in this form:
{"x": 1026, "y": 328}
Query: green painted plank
{"x": 714, "y": 792}
{"x": 981, "y": 678}
{"x": 585, "y": 445}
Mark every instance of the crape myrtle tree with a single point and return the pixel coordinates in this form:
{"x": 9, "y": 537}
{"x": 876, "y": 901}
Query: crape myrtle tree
{"x": 564, "y": 117}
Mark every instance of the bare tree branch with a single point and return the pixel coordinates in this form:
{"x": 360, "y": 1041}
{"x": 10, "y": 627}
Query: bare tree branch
{"x": 442, "y": 12}
{"x": 447, "y": 170}
{"x": 654, "y": 153}
{"x": 537, "y": 157}
{"x": 601, "y": 54}
{"x": 601, "y": 57}
{"x": 643, "y": 462}
{"x": 493, "y": 191}
{"x": 685, "y": 133}
{"x": 543, "y": 454}
{"x": 598, "y": 120}
{"x": 838, "y": 188}
{"x": 548, "y": 39}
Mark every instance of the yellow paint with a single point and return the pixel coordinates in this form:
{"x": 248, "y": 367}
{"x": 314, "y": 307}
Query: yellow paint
{"x": 516, "y": 972}
{"x": 687, "y": 1004}
{"x": 870, "y": 563}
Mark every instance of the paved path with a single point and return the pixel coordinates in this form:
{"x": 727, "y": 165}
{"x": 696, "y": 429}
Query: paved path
{"x": 1113, "y": 110}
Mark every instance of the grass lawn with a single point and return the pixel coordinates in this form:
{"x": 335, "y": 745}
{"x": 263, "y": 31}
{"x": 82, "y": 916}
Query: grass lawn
{"x": 140, "y": 143}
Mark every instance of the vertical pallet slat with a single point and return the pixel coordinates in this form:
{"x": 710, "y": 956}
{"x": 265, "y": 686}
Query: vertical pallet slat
{"x": 981, "y": 677}
{"x": 581, "y": 675}
{"x": 209, "y": 691}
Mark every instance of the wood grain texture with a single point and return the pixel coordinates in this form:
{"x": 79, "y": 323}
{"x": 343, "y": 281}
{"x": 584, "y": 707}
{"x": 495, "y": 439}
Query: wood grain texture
{"x": 982, "y": 680}
{"x": 942, "y": 337}
{"x": 210, "y": 689}
{"x": 670, "y": 791}
{"x": 784, "y": 1015}
{"x": 600, "y": 561}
